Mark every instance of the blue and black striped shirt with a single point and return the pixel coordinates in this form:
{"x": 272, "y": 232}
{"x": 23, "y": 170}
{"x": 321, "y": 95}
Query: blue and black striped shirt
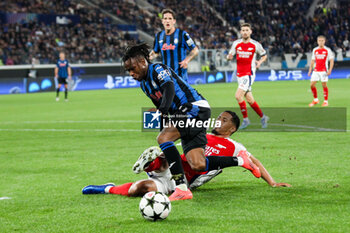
{"x": 173, "y": 49}
{"x": 157, "y": 76}
{"x": 62, "y": 66}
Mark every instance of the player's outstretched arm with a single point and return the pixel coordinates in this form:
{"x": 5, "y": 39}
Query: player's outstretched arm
{"x": 266, "y": 175}
{"x": 56, "y": 72}
{"x": 262, "y": 60}
{"x": 331, "y": 65}
{"x": 311, "y": 66}
{"x": 69, "y": 73}
{"x": 168, "y": 97}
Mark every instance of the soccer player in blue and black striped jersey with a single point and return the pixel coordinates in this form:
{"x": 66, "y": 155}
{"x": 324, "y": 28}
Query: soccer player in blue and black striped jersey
{"x": 173, "y": 44}
{"x": 172, "y": 95}
{"x": 62, "y": 72}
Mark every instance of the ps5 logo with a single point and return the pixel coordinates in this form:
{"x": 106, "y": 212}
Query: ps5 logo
{"x": 285, "y": 75}
{"x": 120, "y": 82}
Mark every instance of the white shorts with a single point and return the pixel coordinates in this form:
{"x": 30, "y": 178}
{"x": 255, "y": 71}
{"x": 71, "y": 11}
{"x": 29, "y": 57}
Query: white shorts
{"x": 163, "y": 181}
{"x": 245, "y": 82}
{"x": 319, "y": 76}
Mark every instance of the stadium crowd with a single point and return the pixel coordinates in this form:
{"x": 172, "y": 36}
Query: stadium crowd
{"x": 281, "y": 26}
{"x": 94, "y": 40}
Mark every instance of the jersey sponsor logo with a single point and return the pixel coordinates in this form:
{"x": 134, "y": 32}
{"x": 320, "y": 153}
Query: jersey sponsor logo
{"x": 321, "y": 56}
{"x": 168, "y": 47}
{"x": 62, "y": 64}
{"x": 156, "y": 96}
{"x": 244, "y": 54}
{"x": 163, "y": 74}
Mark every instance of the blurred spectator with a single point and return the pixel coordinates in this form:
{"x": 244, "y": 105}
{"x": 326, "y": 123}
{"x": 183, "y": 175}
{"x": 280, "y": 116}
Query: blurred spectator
{"x": 94, "y": 40}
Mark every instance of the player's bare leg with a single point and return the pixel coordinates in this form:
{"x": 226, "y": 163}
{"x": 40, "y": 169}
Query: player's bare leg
{"x": 166, "y": 140}
{"x": 196, "y": 159}
{"x": 243, "y": 106}
{"x": 141, "y": 187}
{"x": 314, "y": 93}
{"x": 58, "y": 92}
{"x": 325, "y": 94}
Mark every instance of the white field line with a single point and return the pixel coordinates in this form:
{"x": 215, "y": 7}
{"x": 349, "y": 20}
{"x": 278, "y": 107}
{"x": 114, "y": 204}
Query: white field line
{"x": 5, "y": 198}
{"x": 68, "y": 122}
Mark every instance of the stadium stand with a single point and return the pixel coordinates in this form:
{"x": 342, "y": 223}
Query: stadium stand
{"x": 93, "y": 39}
{"x": 281, "y": 26}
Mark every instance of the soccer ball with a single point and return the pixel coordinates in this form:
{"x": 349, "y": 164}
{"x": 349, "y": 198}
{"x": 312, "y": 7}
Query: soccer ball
{"x": 155, "y": 206}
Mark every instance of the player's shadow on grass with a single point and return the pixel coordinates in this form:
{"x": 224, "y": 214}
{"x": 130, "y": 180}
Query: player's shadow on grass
{"x": 172, "y": 221}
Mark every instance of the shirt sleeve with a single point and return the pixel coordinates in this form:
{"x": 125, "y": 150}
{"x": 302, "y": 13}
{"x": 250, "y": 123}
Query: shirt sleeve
{"x": 188, "y": 42}
{"x": 313, "y": 55}
{"x": 331, "y": 54}
{"x": 68, "y": 64}
{"x": 57, "y": 65}
{"x": 233, "y": 48}
{"x": 260, "y": 50}
{"x": 238, "y": 147}
{"x": 156, "y": 48}
{"x": 161, "y": 74}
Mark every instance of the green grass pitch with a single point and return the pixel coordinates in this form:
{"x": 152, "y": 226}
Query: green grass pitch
{"x": 50, "y": 150}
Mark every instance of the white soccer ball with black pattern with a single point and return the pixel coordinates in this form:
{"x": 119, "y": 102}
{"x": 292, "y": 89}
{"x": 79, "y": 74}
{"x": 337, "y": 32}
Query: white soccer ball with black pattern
{"x": 155, "y": 206}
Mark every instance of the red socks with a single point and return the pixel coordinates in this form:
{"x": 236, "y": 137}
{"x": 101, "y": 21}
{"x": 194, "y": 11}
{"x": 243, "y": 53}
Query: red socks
{"x": 243, "y": 108}
{"x": 314, "y": 92}
{"x": 257, "y": 109}
{"x": 154, "y": 165}
{"x": 121, "y": 189}
{"x": 325, "y": 93}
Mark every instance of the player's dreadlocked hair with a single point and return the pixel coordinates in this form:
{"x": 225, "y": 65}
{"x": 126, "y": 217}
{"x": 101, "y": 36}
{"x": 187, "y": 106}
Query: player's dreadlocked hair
{"x": 235, "y": 119}
{"x": 137, "y": 50}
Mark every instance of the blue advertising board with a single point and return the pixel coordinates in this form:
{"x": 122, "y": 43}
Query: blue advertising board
{"x": 82, "y": 81}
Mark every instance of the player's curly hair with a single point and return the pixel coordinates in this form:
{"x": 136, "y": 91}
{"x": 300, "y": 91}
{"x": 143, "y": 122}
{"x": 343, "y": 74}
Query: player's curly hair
{"x": 137, "y": 50}
{"x": 235, "y": 119}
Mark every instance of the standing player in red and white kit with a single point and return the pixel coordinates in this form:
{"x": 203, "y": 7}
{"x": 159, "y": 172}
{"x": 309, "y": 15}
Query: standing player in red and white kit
{"x": 246, "y": 50}
{"x": 321, "y": 55}
{"x": 153, "y": 162}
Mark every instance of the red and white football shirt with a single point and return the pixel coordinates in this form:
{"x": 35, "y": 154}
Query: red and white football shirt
{"x": 321, "y": 56}
{"x": 216, "y": 146}
{"x": 246, "y": 55}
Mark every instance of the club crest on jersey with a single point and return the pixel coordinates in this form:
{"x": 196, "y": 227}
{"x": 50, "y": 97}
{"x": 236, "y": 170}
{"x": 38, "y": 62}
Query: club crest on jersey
{"x": 250, "y": 48}
{"x": 176, "y": 41}
{"x": 168, "y": 47}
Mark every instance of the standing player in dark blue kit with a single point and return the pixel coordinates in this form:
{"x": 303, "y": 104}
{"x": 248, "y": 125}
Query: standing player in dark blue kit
{"x": 62, "y": 72}
{"x": 173, "y": 43}
{"x": 171, "y": 94}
